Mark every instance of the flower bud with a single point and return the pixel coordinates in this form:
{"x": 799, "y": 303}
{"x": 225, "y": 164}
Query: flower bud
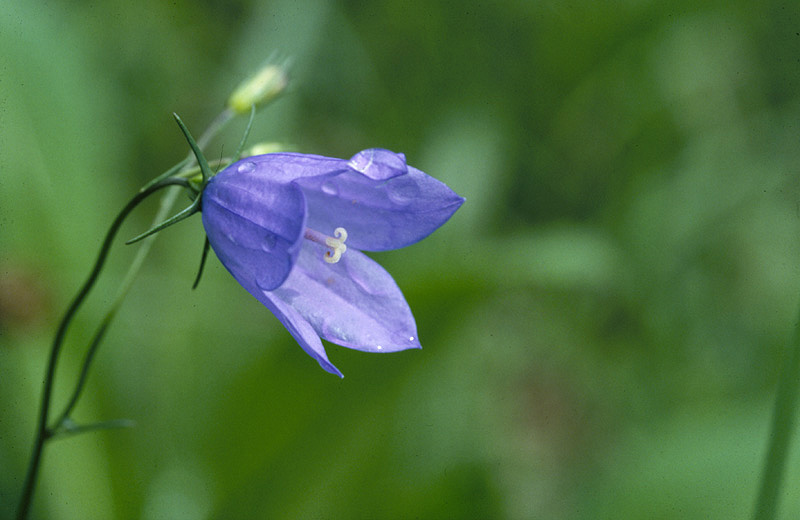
{"x": 264, "y": 148}
{"x": 259, "y": 89}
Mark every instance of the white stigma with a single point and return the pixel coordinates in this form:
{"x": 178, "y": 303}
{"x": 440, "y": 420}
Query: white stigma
{"x": 335, "y": 243}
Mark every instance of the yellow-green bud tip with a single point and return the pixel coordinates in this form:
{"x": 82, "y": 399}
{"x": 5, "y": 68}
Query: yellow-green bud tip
{"x": 259, "y": 89}
{"x": 264, "y": 148}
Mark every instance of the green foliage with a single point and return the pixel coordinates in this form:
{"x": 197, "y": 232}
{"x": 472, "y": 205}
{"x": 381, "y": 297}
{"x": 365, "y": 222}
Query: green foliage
{"x": 603, "y": 321}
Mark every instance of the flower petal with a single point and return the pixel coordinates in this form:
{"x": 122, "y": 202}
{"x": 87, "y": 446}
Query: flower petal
{"x": 379, "y": 215}
{"x": 354, "y": 303}
{"x": 283, "y": 167}
{"x": 299, "y": 328}
{"x": 255, "y": 230}
{"x": 255, "y": 214}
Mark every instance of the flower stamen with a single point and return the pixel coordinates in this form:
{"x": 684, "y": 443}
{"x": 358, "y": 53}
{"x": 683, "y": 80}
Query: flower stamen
{"x": 335, "y": 243}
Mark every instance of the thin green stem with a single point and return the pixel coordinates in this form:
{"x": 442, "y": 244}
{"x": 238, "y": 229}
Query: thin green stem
{"x": 43, "y": 432}
{"x": 181, "y": 166}
{"x": 215, "y": 127}
{"x": 782, "y": 427}
{"x": 167, "y": 201}
{"x": 240, "y": 148}
{"x": 69, "y": 428}
{"x": 219, "y": 122}
{"x": 87, "y": 362}
{"x": 165, "y": 207}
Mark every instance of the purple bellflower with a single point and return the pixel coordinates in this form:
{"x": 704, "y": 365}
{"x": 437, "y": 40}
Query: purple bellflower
{"x": 279, "y": 222}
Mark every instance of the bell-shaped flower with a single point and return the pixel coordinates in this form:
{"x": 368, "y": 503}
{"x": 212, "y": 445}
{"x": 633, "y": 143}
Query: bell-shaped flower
{"x": 289, "y": 227}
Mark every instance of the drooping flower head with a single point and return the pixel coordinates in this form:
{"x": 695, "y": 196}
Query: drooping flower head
{"x": 289, "y": 227}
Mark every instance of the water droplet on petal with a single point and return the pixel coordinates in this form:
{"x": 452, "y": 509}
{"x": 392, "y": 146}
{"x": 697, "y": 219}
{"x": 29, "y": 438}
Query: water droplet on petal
{"x": 361, "y": 279}
{"x": 378, "y": 164}
{"x": 330, "y": 188}
{"x": 332, "y": 331}
{"x": 402, "y": 190}
{"x": 362, "y": 160}
{"x": 268, "y": 241}
{"x": 287, "y": 295}
{"x": 379, "y": 347}
{"x": 246, "y": 167}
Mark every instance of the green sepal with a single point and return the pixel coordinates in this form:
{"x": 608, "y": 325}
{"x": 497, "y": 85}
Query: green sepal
{"x": 206, "y": 247}
{"x": 201, "y": 159}
{"x": 186, "y": 213}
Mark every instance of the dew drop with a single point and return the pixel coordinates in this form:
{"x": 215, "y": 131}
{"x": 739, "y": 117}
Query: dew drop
{"x": 402, "y": 190}
{"x": 379, "y": 165}
{"x": 361, "y": 279}
{"x": 268, "y": 241}
{"x": 246, "y": 167}
{"x": 333, "y": 331}
{"x": 362, "y": 160}
{"x": 287, "y": 295}
{"x": 330, "y": 188}
{"x": 379, "y": 347}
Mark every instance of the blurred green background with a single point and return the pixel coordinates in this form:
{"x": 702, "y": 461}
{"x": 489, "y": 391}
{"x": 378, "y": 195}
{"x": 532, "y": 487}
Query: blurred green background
{"x": 603, "y": 321}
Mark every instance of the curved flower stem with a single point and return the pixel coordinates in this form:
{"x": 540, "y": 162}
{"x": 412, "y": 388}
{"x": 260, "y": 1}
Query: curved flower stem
{"x": 87, "y": 361}
{"x": 165, "y": 207}
{"x": 783, "y": 419}
{"x": 43, "y": 432}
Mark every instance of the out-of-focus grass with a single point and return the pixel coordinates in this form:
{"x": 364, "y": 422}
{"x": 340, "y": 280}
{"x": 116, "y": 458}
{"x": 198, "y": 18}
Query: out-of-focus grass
{"x": 603, "y": 320}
